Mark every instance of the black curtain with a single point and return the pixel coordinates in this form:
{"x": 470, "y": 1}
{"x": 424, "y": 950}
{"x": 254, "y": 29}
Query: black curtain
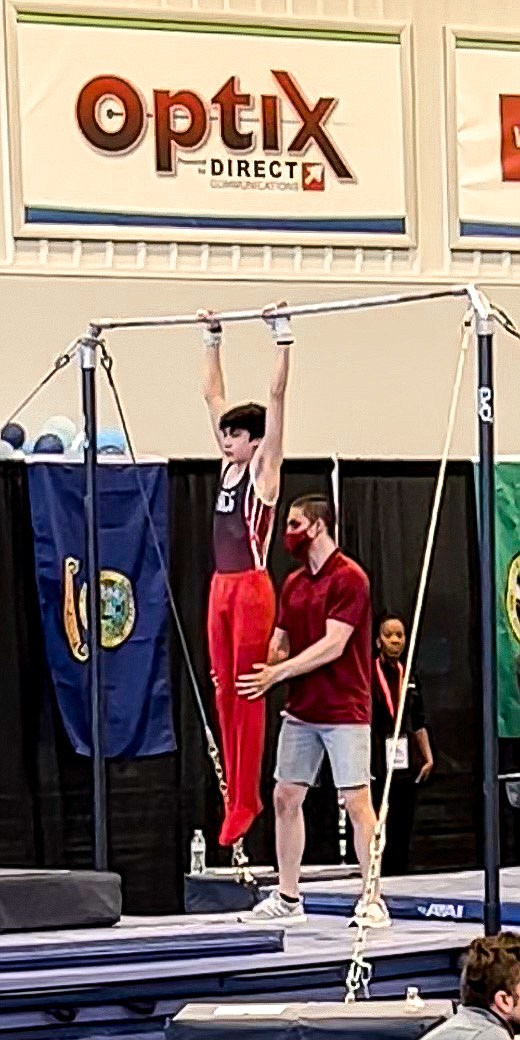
{"x": 20, "y": 653}
{"x": 156, "y": 803}
{"x": 385, "y": 508}
{"x": 45, "y": 789}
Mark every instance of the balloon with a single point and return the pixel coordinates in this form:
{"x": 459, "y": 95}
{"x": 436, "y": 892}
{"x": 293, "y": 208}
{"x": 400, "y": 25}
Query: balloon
{"x": 6, "y": 450}
{"x": 14, "y": 434}
{"x": 48, "y": 444}
{"x": 60, "y": 426}
{"x": 111, "y": 442}
{"x": 76, "y": 448}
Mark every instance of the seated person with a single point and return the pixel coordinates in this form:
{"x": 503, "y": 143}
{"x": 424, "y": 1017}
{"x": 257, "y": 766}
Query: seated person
{"x": 490, "y": 992}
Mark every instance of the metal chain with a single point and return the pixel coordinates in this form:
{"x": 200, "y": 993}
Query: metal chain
{"x": 342, "y": 830}
{"x": 240, "y": 860}
{"x": 217, "y": 765}
{"x": 359, "y": 971}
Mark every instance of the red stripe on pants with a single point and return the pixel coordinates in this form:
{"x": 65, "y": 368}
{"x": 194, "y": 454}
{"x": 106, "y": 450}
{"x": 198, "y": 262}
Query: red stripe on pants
{"x": 241, "y": 618}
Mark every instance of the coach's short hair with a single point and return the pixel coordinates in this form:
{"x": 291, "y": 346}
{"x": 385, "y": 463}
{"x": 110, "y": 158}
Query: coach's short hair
{"x": 316, "y": 507}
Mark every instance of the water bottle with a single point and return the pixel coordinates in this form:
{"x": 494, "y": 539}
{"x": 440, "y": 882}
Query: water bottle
{"x": 414, "y": 1001}
{"x": 198, "y": 853}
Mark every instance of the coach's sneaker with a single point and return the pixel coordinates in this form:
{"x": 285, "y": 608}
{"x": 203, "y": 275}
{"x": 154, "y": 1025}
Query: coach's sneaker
{"x": 275, "y": 909}
{"x": 373, "y": 915}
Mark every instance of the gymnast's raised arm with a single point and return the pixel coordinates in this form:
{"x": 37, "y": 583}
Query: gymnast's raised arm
{"x": 213, "y": 387}
{"x": 268, "y": 458}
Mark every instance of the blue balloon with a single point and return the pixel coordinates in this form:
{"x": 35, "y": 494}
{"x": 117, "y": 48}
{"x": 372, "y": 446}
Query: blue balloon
{"x": 14, "y": 434}
{"x": 48, "y": 444}
{"x": 111, "y": 442}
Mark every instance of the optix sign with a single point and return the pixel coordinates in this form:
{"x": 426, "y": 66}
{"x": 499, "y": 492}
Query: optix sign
{"x": 113, "y": 117}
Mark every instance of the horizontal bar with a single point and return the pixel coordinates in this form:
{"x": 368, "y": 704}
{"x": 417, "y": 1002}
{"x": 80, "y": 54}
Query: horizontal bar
{"x": 293, "y": 311}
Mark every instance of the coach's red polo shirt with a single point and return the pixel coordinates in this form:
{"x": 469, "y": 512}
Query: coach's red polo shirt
{"x": 340, "y": 691}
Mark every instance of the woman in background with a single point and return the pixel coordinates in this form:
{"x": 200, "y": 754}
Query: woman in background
{"x": 414, "y": 759}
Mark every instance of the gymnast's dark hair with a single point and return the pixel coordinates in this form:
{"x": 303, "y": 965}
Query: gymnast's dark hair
{"x": 249, "y": 417}
{"x": 490, "y": 964}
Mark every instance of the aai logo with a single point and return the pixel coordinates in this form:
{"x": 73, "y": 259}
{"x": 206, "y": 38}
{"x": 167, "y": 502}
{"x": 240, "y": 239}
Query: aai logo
{"x": 455, "y": 911}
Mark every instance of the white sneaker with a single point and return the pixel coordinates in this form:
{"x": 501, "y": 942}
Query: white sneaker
{"x": 274, "y": 909}
{"x": 373, "y": 915}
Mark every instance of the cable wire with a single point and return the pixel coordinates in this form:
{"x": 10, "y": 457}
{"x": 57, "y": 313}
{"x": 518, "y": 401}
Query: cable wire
{"x": 505, "y": 321}
{"x": 61, "y": 361}
{"x": 107, "y": 365}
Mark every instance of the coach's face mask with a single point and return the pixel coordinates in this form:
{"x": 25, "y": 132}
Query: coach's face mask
{"x": 298, "y": 543}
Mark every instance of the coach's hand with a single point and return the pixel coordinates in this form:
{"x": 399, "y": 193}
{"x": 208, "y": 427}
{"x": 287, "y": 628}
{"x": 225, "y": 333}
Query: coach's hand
{"x": 259, "y": 681}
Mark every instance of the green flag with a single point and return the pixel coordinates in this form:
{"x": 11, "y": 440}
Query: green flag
{"x": 507, "y": 511}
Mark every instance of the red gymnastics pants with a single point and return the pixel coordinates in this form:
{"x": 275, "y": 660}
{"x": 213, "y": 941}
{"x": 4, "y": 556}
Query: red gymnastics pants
{"x": 240, "y": 623}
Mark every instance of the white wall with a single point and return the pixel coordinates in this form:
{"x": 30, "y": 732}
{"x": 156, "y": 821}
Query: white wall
{"x": 431, "y": 259}
{"x": 368, "y": 383}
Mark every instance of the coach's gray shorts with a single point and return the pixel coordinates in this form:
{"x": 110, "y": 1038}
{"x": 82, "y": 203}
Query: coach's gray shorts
{"x": 302, "y": 746}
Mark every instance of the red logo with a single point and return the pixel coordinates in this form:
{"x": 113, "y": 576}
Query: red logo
{"x": 113, "y": 117}
{"x": 313, "y": 176}
{"x": 510, "y": 136}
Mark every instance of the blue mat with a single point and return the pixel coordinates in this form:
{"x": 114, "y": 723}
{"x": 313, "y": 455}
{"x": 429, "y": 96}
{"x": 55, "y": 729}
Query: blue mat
{"x": 179, "y": 945}
{"x": 449, "y": 908}
{"x": 437, "y": 897}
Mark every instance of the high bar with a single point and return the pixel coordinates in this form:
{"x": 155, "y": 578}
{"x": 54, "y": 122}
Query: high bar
{"x": 295, "y": 310}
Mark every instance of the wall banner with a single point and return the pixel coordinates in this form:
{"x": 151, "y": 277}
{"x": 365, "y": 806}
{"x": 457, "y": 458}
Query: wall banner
{"x": 162, "y": 129}
{"x": 484, "y": 141}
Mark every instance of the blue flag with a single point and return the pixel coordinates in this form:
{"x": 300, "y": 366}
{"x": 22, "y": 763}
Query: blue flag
{"x": 135, "y": 674}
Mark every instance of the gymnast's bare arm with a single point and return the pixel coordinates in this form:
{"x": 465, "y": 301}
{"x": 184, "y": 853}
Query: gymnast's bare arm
{"x": 213, "y": 378}
{"x": 268, "y": 457}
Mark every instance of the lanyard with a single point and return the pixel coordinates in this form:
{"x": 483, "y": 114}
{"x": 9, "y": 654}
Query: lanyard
{"x": 385, "y": 687}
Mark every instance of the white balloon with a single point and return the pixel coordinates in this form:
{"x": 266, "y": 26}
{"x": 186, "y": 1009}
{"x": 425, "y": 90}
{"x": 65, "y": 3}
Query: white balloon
{"x": 62, "y": 427}
{"x": 6, "y": 450}
{"x": 77, "y": 444}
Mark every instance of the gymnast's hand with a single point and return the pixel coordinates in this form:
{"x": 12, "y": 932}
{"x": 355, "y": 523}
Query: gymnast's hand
{"x": 259, "y": 681}
{"x": 211, "y": 322}
{"x": 280, "y": 327}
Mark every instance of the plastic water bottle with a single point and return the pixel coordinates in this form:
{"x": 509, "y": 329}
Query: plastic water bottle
{"x": 414, "y": 1001}
{"x": 198, "y": 853}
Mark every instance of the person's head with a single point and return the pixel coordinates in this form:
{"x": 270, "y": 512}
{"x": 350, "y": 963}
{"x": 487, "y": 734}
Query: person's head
{"x": 309, "y": 521}
{"x": 391, "y": 636}
{"x": 491, "y": 975}
{"x": 242, "y": 429}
